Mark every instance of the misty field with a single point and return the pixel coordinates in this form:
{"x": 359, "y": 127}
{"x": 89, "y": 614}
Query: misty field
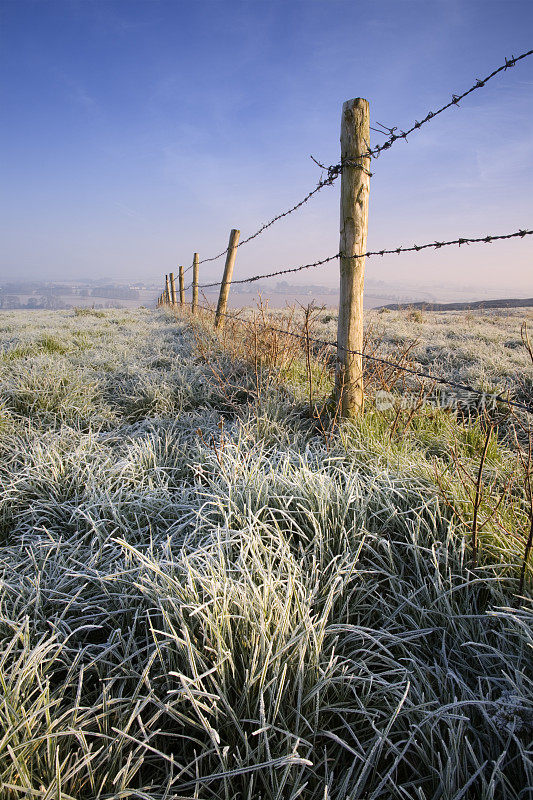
{"x": 209, "y": 588}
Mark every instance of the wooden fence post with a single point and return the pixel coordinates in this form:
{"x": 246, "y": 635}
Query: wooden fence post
{"x": 182, "y": 287}
{"x": 226, "y": 280}
{"x": 355, "y": 185}
{"x": 173, "y": 300}
{"x": 167, "y": 290}
{"x": 195, "y": 268}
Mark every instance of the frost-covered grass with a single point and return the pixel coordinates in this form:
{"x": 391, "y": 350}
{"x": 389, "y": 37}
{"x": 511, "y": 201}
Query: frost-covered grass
{"x": 204, "y": 596}
{"x": 483, "y": 349}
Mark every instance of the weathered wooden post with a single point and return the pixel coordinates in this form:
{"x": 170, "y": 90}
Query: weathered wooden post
{"x": 182, "y": 287}
{"x": 226, "y": 280}
{"x": 195, "y": 267}
{"x": 355, "y": 185}
{"x": 173, "y": 300}
{"x": 167, "y": 290}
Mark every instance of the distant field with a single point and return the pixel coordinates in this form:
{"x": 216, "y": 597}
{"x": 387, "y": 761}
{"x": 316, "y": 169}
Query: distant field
{"x": 482, "y": 348}
{"x": 210, "y": 589}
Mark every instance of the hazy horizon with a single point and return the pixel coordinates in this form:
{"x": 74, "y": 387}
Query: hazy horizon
{"x": 141, "y": 132}
{"x": 108, "y": 293}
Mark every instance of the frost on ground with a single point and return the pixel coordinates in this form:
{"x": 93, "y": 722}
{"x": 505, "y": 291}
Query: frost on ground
{"x": 201, "y": 597}
{"x": 480, "y": 348}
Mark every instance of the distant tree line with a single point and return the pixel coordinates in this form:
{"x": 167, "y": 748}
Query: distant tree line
{"x": 51, "y": 297}
{"x": 12, "y": 301}
{"x": 114, "y": 291}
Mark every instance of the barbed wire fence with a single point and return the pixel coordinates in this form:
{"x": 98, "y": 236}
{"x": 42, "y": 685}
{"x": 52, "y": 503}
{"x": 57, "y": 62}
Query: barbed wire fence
{"x": 334, "y": 170}
{"x": 332, "y": 173}
{"x": 437, "y": 379}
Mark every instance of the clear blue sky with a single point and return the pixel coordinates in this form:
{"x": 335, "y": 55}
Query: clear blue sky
{"x": 137, "y": 132}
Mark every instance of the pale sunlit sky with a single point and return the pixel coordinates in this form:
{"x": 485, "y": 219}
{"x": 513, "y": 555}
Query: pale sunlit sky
{"x": 136, "y": 132}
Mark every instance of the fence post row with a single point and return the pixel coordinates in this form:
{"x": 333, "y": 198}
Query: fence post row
{"x": 226, "y": 279}
{"x": 355, "y": 185}
{"x": 195, "y": 269}
{"x": 182, "y": 286}
{"x": 354, "y": 196}
{"x": 173, "y": 300}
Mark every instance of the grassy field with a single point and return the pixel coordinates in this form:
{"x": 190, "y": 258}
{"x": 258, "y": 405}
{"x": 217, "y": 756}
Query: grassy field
{"x": 209, "y": 588}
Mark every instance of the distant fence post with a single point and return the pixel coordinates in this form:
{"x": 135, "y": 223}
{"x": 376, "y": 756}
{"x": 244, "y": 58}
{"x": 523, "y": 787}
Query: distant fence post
{"x": 355, "y": 185}
{"x": 182, "y": 287}
{"x": 195, "y": 268}
{"x": 173, "y": 300}
{"x": 226, "y": 280}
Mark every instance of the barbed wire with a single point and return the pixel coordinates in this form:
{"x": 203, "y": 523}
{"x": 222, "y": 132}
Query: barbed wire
{"x": 323, "y": 182}
{"x": 394, "y": 251}
{"x": 396, "y": 364}
{"x": 456, "y": 98}
{"x": 334, "y": 170}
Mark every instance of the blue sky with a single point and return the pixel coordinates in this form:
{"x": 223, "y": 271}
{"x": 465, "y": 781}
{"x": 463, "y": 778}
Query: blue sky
{"x": 135, "y": 133}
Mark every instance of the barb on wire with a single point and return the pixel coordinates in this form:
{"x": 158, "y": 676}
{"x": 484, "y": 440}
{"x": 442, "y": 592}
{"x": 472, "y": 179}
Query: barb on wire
{"x": 368, "y": 254}
{"x": 383, "y": 129}
{"x": 420, "y": 373}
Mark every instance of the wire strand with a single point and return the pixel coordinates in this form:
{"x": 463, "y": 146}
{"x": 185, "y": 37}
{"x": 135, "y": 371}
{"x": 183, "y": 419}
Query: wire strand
{"x": 394, "y": 251}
